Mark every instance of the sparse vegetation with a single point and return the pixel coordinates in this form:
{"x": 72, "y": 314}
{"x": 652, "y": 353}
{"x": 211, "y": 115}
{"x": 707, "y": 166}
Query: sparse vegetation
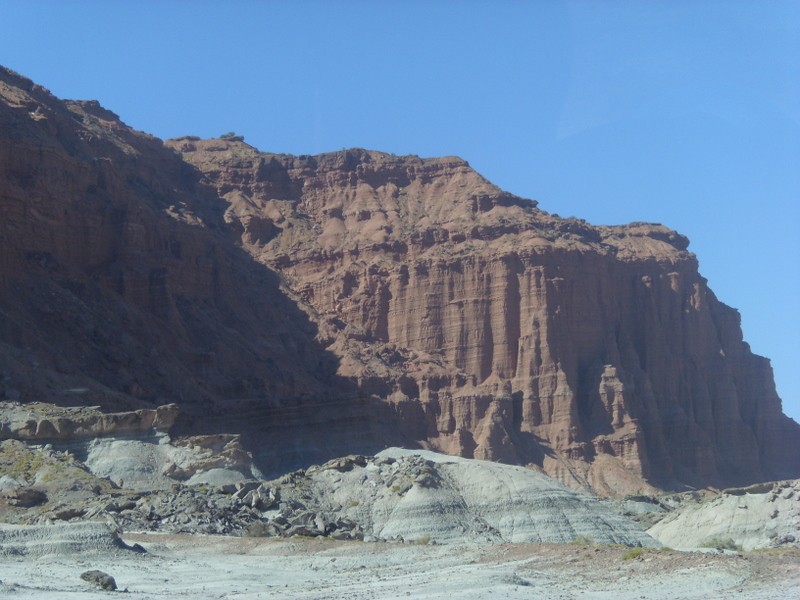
{"x": 300, "y": 483}
{"x": 232, "y": 137}
{"x": 779, "y": 551}
{"x": 719, "y": 543}
{"x": 19, "y": 462}
{"x": 583, "y": 540}
{"x": 401, "y": 487}
{"x": 633, "y": 553}
{"x": 35, "y": 465}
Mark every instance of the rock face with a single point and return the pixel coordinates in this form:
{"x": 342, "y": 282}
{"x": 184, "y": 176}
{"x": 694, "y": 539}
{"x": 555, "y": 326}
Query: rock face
{"x": 47, "y": 423}
{"x": 120, "y": 287}
{"x": 422, "y": 496}
{"x": 339, "y": 303}
{"x": 115, "y": 278}
{"x": 498, "y": 331}
{"x": 59, "y": 539}
{"x": 758, "y": 516}
{"x": 100, "y": 579}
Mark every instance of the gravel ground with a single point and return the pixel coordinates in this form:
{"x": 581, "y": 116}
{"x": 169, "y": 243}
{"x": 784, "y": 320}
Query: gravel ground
{"x": 197, "y": 566}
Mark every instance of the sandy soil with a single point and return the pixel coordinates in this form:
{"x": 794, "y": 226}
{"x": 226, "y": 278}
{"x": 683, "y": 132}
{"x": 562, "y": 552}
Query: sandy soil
{"x": 185, "y": 566}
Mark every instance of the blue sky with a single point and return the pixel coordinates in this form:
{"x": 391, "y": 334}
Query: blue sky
{"x": 680, "y": 112}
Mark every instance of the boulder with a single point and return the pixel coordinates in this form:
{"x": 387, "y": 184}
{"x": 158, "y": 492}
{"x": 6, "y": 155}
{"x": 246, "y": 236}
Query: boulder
{"x": 100, "y": 579}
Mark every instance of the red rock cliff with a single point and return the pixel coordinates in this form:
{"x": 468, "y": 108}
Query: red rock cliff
{"x": 499, "y": 331}
{"x": 119, "y": 285}
{"x": 336, "y": 303}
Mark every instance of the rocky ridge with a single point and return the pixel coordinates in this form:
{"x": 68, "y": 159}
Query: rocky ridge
{"x": 61, "y": 539}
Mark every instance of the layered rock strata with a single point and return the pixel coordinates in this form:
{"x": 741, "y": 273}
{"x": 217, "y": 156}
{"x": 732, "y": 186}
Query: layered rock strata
{"x": 330, "y": 304}
{"x": 118, "y": 286}
{"x": 40, "y": 422}
{"x": 121, "y": 288}
{"x": 498, "y": 331}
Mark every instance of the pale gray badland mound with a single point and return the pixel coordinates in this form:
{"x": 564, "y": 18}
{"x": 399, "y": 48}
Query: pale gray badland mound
{"x": 422, "y": 496}
{"x": 61, "y": 539}
{"x": 761, "y": 516}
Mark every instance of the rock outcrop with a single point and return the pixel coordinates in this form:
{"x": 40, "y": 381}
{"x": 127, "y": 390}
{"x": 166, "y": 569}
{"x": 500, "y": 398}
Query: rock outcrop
{"x": 399, "y": 495}
{"x": 758, "y": 516}
{"x": 422, "y": 496}
{"x": 334, "y": 304}
{"x": 498, "y": 331}
{"x": 117, "y": 283}
{"x": 121, "y": 288}
{"x": 60, "y": 539}
{"x": 41, "y": 422}
{"x": 48, "y": 451}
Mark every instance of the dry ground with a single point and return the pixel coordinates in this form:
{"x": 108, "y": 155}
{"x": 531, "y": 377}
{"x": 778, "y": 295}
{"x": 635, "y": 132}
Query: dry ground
{"x": 186, "y": 566}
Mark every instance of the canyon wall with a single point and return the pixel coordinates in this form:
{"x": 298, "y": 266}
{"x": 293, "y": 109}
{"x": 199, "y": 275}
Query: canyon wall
{"x": 327, "y": 304}
{"x": 120, "y": 287}
{"x": 498, "y": 331}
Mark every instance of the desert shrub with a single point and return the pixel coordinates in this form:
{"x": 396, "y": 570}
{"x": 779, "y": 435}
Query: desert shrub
{"x": 633, "y": 553}
{"x": 231, "y": 135}
{"x": 719, "y": 543}
{"x": 583, "y": 540}
{"x": 401, "y": 487}
{"x": 515, "y": 579}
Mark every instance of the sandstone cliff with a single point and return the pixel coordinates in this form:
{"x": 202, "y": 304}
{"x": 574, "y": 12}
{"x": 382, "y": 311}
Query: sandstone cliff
{"x": 338, "y": 303}
{"x": 120, "y": 287}
{"x": 498, "y": 331}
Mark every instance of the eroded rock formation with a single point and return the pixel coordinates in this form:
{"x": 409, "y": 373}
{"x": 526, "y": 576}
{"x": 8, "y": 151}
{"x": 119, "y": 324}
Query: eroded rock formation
{"x": 120, "y": 287}
{"x": 115, "y": 277}
{"x": 499, "y": 331}
{"x": 35, "y": 421}
{"x": 338, "y": 303}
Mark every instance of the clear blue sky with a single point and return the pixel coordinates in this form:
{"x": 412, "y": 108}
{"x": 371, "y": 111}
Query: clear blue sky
{"x": 680, "y": 112}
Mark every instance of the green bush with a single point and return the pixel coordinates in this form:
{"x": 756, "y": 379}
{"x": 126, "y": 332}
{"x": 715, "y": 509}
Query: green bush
{"x": 633, "y": 553}
{"x": 583, "y": 540}
{"x": 232, "y": 136}
{"x": 718, "y": 543}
